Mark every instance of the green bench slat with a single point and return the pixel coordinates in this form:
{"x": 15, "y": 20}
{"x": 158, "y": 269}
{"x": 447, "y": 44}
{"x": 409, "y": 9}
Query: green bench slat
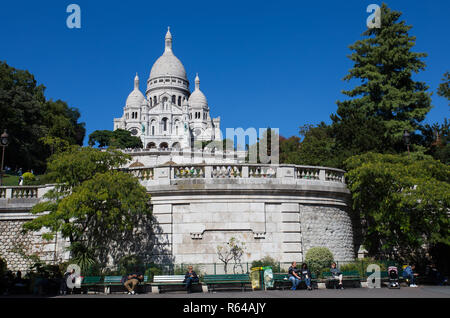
{"x": 91, "y": 280}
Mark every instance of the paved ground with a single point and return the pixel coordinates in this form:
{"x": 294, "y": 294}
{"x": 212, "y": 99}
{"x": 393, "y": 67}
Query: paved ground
{"x": 404, "y": 292}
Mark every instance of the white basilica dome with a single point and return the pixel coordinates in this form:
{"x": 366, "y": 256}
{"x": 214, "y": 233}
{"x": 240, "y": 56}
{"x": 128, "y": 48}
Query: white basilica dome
{"x": 168, "y": 64}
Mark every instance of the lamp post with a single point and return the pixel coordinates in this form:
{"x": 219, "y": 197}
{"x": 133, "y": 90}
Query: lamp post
{"x": 406, "y": 138}
{"x": 3, "y": 142}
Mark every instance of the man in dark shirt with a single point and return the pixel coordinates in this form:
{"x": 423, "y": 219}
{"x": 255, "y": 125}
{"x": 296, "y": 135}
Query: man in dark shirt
{"x": 189, "y": 278}
{"x": 293, "y": 276}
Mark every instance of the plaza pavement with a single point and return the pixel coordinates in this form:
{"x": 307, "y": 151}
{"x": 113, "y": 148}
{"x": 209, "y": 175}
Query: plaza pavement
{"x": 404, "y": 292}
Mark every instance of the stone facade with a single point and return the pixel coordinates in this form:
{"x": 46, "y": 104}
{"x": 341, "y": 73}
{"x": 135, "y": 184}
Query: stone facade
{"x": 281, "y": 216}
{"x": 278, "y": 211}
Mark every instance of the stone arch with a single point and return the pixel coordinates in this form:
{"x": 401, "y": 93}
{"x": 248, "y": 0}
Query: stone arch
{"x": 176, "y": 145}
{"x": 151, "y": 145}
{"x": 163, "y": 145}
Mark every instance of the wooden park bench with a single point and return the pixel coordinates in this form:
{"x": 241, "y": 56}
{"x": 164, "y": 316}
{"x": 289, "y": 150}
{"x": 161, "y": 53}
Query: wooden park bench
{"x": 167, "y": 281}
{"x": 225, "y": 279}
{"x": 91, "y": 282}
{"x": 282, "y": 281}
{"x": 111, "y": 281}
{"x": 347, "y": 276}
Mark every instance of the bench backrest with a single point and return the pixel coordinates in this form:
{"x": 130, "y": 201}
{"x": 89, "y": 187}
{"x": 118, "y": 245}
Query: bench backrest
{"x": 91, "y": 279}
{"x": 168, "y": 278}
{"x": 350, "y": 273}
{"x": 227, "y": 277}
{"x": 113, "y": 279}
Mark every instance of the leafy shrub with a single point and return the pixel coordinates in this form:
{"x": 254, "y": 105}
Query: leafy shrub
{"x": 268, "y": 261}
{"x": 130, "y": 264}
{"x": 318, "y": 258}
{"x": 153, "y": 271}
{"x": 28, "y": 178}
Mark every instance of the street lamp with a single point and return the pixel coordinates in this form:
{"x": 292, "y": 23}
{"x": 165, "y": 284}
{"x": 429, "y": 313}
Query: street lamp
{"x": 3, "y": 142}
{"x": 406, "y": 139}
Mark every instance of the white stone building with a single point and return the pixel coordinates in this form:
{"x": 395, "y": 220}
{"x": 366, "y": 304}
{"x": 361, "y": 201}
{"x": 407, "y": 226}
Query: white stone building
{"x": 169, "y": 115}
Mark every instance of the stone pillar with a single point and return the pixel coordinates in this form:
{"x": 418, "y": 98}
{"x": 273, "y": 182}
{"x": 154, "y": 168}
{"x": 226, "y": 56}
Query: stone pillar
{"x": 291, "y": 233}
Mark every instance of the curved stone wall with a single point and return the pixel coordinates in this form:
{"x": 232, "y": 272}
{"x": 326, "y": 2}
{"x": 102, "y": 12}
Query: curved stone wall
{"x": 280, "y": 213}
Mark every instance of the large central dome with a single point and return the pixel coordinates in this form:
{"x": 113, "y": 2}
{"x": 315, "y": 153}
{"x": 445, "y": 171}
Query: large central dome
{"x": 168, "y": 64}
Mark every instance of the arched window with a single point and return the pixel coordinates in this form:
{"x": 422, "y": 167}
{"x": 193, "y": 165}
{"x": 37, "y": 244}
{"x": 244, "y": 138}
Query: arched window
{"x": 151, "y": 102}
{"x": 154, "y": 100}
{"x": 164, "y": 124}
{"x": 153, "y": 125}
{"x": 174, "y": 99}
{"x": 179, "y": 100}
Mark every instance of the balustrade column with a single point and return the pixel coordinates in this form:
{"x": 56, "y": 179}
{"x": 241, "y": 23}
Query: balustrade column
{"x": 322, "y": 175}
{"x": 245, "y": 172}
{"x": 208, "y": 172}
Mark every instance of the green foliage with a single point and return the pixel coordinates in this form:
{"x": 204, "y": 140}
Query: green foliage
{"x": 118, "y": 138}
{"x": 317, "y": 147}
{"x": 28, "y": 116}
{"x": 82, "y": 256}
{"x": 92, "y": 205}
{"x": 131, "y": 264}
{"x": 318, "y": 258}
{"x": 436, "y": 140}
{"x": 153, "y": 271}
{"x": 267, "y": 261}
{"x": 403, "y": 201}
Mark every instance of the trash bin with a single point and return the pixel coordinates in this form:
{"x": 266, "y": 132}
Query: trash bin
{"x": 256, "y": 277}
{"x": 268, "y": 277}
{"x": 261, "y": 277}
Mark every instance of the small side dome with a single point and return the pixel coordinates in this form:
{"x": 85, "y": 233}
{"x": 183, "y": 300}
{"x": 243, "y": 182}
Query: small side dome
{"x": 136, "y": 98}
{"x": 197, "y": 98}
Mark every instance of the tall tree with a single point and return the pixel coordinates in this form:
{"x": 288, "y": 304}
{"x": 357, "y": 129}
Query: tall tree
{"x": 29, "y": 117}
{"x": 388, "y": 99}
{"x": 96, "y": 207}
{"x": 404, "y": 202}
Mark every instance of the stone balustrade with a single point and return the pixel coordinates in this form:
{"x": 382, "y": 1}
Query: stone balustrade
{"x": 14, "y": 193}
{"x": 238, "y": 171}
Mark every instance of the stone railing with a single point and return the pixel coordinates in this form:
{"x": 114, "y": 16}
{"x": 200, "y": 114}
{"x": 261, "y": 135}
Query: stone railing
{"x": 142, "y": 173}
{"x": 238, "y": 171}
{"x": 24, "y": 192}
{"x": 19, "y": 192}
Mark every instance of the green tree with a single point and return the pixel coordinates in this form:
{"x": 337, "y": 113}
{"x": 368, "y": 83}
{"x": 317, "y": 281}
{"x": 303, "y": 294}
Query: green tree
{"x": 28, "y": 117}
{"x": 317, "y": 146}
{"x": 96, "y": 207}
{"x": 388, "y": 100}
{"x": 118, "y": 138}
{"x": 403, "y": 201}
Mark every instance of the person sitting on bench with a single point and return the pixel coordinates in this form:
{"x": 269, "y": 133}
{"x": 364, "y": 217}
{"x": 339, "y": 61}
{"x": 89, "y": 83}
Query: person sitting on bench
{"x": 189, "y": 278}
{"x": 293, "y": 276}
{"x": 306, "y": 276}
{"x": 133, "y": 280}
{"x": 336, "y": 274}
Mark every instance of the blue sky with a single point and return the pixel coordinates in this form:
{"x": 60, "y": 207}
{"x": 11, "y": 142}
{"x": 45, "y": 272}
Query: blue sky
{"x": 261, "y": 63}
